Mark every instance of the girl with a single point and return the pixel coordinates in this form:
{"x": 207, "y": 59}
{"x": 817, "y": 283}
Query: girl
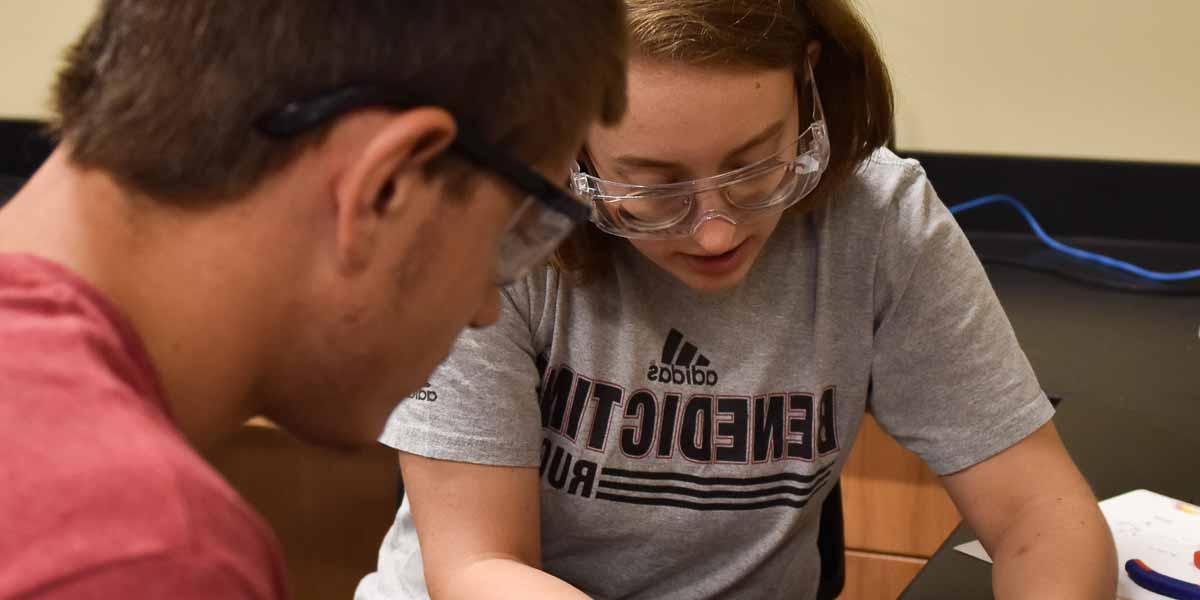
{"x": 661, "y": 413}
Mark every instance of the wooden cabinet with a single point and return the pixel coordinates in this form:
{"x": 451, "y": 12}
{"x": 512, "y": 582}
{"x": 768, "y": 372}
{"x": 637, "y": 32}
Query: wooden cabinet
{"x": 897, "y": 514}
{"x": 872, "y": 576}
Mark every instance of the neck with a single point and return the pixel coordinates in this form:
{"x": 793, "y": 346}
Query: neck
{"x": 180, "y": 276}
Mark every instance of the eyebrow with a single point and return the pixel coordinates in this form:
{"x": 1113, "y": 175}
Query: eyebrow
{"x": 633, "y": 161}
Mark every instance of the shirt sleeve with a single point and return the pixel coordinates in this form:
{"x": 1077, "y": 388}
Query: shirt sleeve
{"x": 481, "y": 405}
{"x": 948, "y": 379}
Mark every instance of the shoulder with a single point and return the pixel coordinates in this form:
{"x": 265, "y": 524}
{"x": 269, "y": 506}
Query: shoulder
{"x": 108, "y": 505}
{"x": 883, "y": 183}
{"x": 886, "y": 198}
{"x": 97, "y": 476}
{"x": 84, "y": 342}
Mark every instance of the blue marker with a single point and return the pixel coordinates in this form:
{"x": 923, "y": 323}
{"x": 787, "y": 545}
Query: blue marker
{"x": 1158, "y": 583}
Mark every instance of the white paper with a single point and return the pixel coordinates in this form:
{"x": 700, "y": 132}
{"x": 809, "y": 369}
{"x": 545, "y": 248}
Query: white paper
{"x": 1163, "y": 532}
{"x": 974, "y": 549}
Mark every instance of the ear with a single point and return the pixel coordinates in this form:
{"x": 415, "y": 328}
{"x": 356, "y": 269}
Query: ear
{"x": 813, "y": 52}
{"x": 373, "y": 185}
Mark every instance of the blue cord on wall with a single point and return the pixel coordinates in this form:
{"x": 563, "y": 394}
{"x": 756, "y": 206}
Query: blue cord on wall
{"x": 1071, "y": 250}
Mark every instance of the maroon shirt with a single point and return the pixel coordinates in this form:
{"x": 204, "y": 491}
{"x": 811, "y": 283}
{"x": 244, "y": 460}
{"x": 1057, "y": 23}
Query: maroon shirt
{"x": 100, "y": 494}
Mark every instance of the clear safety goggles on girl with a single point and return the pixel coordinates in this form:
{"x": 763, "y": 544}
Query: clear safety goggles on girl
{"x": 675, "y": 210}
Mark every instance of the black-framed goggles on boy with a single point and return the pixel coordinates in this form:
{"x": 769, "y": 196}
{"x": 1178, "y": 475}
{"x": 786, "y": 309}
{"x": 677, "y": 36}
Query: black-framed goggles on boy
{"x": 546, "y": 216}
{"x": 674, "y": 210}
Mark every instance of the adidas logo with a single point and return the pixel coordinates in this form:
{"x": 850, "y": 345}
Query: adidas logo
{"x": 425, "y": 394}
{"x": 682, "y": 364}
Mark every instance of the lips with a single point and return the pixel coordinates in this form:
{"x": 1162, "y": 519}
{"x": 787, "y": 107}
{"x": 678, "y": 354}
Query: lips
{"x": 717, "y": 264}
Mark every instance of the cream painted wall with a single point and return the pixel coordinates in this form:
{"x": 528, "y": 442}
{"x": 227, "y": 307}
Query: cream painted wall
{"x": 1110, "y": 79}
{"x": 33, "y": 35}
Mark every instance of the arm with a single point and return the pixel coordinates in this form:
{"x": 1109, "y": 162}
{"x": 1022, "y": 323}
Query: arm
{"x": 479, "y": 529}
{"x": 1038, "y": 519}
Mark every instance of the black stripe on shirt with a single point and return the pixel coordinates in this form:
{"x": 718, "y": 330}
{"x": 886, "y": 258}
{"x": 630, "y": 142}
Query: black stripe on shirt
{"x": 775, "y": 503}
{"x": 671, "y": 346}
{"x": 667, "y": 476}
{"x": 802, "y": 492}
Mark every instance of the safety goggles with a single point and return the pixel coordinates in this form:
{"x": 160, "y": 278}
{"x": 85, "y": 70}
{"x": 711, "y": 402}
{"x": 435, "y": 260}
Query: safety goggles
{"x": 675, "y": 210}
{"x": 546, "y": 216}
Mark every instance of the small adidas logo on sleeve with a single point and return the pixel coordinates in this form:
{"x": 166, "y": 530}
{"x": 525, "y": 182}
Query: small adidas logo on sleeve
{"x": 682, "y": 364}
{"x": 426, "y": 394}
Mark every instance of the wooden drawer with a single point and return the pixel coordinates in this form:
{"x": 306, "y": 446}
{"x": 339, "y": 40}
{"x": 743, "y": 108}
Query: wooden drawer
{"x": 893, "y": 503}
{"x": 877, "y": 576}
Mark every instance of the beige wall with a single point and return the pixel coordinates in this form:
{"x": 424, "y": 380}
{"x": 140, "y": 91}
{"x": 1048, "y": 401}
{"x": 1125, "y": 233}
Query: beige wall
{"x": 1114, "y": 79}
{"x": 33, "y": 34}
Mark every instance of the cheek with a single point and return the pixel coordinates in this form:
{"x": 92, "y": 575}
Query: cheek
{"x": 767, "y": 226}
{"x": 458, "y": 275}
{"x": 665, "y": 254}
{"x": 658, "y": 249}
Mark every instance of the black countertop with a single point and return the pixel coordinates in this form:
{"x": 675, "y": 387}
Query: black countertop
{"x": 1128, "y": 369}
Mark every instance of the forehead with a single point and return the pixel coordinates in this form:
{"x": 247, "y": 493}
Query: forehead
{"x": 674, "y": 106}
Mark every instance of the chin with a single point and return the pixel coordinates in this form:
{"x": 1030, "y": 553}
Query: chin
{"x": 714, "y": 285}
{"x": 348, "y": 425}
{"x": 344, "y": 435}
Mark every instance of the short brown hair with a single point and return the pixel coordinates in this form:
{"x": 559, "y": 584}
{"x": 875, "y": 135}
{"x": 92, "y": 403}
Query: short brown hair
{"x": 163, "y": 95}
{"x": 855, "y": 88}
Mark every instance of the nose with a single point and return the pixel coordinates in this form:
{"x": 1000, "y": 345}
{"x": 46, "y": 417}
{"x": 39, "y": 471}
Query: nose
{"x": 716, "y": 232}
{"x": 715, "y": 235}
{"x": 488, "y": 312}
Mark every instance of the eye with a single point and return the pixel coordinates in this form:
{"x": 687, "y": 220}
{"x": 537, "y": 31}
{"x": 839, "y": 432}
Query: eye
{"x": 654, "y": 210}
{"x": 651, "y": 179}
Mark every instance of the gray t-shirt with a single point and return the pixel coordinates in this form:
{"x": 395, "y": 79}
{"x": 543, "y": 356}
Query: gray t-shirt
{"x": 686, "y": 441}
